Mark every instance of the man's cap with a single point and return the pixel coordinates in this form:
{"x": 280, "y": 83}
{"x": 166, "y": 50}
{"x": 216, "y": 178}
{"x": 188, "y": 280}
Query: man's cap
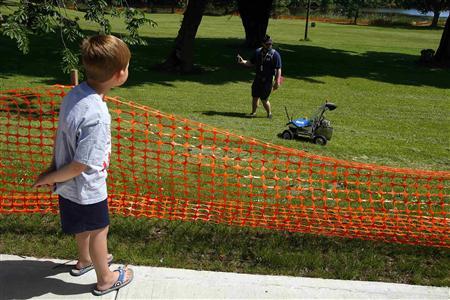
{"x": 267, "y": 39}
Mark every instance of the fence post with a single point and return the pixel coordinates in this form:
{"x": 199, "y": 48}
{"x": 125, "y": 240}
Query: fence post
{"x": 74, "y": 77}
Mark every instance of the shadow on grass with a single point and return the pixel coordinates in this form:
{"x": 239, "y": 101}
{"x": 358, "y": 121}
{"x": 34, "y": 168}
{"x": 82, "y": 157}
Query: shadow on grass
{"x": 22, "y": 279}
{"x": 217, "y": 57}
{"x": 227, "y": 114}
{"x": 298, "y": 138}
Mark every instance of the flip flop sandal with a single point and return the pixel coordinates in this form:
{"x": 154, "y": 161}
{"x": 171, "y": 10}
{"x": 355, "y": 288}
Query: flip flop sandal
{"x": 78, "y": 272}
{"x": 120, "y": 283}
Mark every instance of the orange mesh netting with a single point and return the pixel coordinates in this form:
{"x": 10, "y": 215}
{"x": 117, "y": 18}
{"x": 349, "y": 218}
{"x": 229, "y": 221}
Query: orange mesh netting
{"x": 166, "y": 167}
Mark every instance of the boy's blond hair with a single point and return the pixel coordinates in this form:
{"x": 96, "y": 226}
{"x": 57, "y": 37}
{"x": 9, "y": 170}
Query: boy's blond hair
{"x": 103, "y": 56}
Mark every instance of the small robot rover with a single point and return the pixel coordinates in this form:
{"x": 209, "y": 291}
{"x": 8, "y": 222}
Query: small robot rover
{"x": 317, "y": 128}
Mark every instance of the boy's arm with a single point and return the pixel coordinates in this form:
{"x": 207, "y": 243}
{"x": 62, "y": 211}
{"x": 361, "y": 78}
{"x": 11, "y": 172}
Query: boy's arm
{"x": 65, "y": 173}
{"x": 52, "y": 166}
{"x": 90, "y": 152}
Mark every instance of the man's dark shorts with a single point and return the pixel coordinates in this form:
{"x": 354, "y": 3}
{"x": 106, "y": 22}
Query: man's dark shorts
{"x": 262, "y": 88}
{"x": 77, "y": 218}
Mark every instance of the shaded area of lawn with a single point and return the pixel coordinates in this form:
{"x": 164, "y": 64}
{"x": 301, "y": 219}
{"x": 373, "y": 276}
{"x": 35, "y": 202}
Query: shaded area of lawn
{"x": 217, "y": 60}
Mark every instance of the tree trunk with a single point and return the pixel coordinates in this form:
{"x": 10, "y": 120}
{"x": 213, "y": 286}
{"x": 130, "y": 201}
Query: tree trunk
{"x": 442, "y": 55}
{"x": 435, "y": 21}
{"x": 181, "y": 58}
{"x": 355, "y": 20}
{"x": 255, "y": 19}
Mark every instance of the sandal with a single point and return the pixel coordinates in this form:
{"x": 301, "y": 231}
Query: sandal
{"x": 78, "y": 272}
{"x": 120, "y": 283}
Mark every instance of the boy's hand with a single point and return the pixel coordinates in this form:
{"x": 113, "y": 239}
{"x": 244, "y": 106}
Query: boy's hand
{"x": 43, "y": 180}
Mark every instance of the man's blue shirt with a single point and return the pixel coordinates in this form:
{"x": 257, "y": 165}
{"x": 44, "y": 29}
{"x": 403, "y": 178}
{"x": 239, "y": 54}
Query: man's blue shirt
{"x": 266, "y": 63}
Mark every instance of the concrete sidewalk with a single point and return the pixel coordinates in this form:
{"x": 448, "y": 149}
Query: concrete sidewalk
{"x": 27, "y": 277}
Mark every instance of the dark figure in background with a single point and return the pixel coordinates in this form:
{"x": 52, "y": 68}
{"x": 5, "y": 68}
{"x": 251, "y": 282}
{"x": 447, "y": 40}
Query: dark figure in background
{"x": 268, "y": 66}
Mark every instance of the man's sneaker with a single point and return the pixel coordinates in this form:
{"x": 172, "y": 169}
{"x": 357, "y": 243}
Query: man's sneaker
{"x": 252, "y": 115}
{"x": 269, "y": 116}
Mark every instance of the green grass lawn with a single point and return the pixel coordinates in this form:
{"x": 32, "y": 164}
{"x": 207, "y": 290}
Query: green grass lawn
{"x": 390, "y": 112}
{"x": 205, "y": 246}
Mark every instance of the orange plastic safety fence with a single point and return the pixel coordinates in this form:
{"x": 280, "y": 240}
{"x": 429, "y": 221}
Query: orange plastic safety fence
{"x": 166, "y": 167}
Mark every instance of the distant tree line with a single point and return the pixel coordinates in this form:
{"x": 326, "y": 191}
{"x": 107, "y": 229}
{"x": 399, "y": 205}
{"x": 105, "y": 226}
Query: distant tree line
{"x": 348, "y": 8}
{"x": 43, "y": 16}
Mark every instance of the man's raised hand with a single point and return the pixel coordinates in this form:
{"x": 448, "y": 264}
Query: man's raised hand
{"x": 240, "y": 60}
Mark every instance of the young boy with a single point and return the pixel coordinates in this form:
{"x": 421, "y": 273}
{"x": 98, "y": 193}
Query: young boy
{"x": 81, "y": 158}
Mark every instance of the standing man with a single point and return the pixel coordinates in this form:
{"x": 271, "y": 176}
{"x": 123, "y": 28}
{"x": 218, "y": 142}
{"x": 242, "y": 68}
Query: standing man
{"x": 268, "y": 65}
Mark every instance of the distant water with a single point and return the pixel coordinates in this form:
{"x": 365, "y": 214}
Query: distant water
{"x": 408, "y": 12}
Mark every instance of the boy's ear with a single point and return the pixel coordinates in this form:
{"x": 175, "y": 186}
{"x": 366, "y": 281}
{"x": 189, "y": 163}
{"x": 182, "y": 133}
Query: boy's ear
{"x": 119, "y": 74}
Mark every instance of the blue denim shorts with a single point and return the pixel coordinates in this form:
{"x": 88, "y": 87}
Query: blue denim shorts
{"x": 77, "y": 218}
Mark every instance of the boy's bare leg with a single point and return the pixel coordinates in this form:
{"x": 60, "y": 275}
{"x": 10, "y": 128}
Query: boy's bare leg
{"x": 254, "y": 104}
{"x": 99, "y": 254}
{"x": 84, "y": 258}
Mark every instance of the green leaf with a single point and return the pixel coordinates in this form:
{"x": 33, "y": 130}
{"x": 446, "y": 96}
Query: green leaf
{"x": 69, "y": 60}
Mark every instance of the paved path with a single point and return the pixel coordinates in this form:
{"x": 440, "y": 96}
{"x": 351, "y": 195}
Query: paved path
{"x": 27, "y": 277}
